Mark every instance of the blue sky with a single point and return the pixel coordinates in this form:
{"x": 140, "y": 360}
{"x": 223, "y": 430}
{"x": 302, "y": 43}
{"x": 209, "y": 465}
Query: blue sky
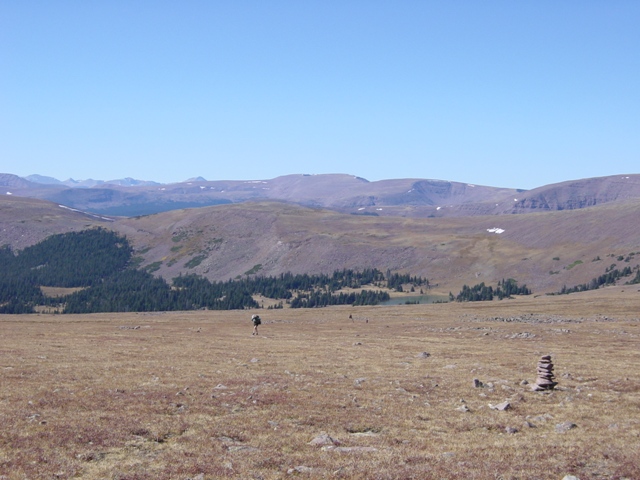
{"x": 500, "y": 93}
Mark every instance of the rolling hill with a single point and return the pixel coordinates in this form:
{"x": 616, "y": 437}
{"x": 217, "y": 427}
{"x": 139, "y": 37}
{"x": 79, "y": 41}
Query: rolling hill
{"x": 544, "y": 249}
{"x": 27, "y": 221}
{"x": 422, "y": 198}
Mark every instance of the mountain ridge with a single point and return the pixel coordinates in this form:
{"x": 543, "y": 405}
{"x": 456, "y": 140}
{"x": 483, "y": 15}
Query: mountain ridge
{"x": 544, "y": 250}
{"x": 409, "y": 197}
{"x": 452, "y": 233}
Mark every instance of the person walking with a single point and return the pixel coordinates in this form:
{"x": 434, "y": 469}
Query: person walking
{"x": 256, "y": 321}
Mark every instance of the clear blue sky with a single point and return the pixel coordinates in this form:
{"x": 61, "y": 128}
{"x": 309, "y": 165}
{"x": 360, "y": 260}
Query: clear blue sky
{"x": 502, "y": 93}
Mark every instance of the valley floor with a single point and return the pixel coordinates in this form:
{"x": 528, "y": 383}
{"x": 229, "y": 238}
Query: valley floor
{"x": 400, "y": 391}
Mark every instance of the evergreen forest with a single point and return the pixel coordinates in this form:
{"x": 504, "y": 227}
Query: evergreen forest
{"x": 97, "y": 264}
{"x": 611, "y": 277}
{"x": 482, "y": 292}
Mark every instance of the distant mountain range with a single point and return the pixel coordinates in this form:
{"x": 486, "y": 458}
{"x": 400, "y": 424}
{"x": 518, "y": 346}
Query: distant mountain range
{"x": 123, "y": 182}
{"x": 449, "y": 232}
{"x": 339, "y": 192}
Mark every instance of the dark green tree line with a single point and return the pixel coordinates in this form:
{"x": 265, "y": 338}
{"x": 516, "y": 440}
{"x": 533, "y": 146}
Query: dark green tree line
{"x": 611, "y": 277}
{"x": 482, "y": 292}
{"x": 99, "y": 262}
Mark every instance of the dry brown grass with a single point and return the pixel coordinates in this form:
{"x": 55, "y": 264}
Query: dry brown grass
{"x": 194, "y": 395}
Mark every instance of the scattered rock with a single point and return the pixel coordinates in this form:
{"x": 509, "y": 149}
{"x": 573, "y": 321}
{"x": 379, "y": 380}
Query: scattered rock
{"x": 200, "y": 476}
{"x": 501, "y": 406}
{"x": 90, "y": 456}
{"x": 299, "y": 469}
{"x": 254, "y": 360}
{"x": 463, "y": 408}
{"x": 358, "y": 381}
{"x": 331, "y": 448}
{"x": 366, "y": 433}
{"x": 477, "y": 383}
{"x": 511, "y": 430}
{"x": 239, "y": 448}
{"x": 570, "y": 477}
{"x": 322, "y": 440}
{"x": 220, "y": 387}
{"x": 521, "y": 335}
{"x": 565, "y": 427}
{"x": 423, "y": 355}
{"x": 540, "y": 418}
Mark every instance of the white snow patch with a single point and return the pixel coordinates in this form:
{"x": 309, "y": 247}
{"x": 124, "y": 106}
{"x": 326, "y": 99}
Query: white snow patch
{"x": 379, "y": 209}
{"x": 360, "y": 209}
{"x": 438, "y": 208}
{"x": 86, "y": 213}
{"x": 202, "y": 188}
{"x": 515, "y": 199}
{"x": 495, "y": 230}
{"x": 470, "y": 185}
{"x": 69, "y": 208}
{"x": 9, "y": 193}
{"x": 255, "y": 181}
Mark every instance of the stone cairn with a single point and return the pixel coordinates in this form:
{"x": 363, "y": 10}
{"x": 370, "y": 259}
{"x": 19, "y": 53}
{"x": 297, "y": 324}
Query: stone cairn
{"x": 545, "y": 375}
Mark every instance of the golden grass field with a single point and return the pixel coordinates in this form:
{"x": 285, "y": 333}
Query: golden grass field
{"x": 194, "y": 395}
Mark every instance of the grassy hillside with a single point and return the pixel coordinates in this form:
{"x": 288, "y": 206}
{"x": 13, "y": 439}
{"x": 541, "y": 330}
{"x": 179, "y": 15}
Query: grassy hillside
{"x": 545, "y": 251}
{"x": 27, "y": 221}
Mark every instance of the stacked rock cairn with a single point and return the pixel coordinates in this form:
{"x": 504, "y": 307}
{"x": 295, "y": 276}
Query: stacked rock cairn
{"x": 545, "y": 375}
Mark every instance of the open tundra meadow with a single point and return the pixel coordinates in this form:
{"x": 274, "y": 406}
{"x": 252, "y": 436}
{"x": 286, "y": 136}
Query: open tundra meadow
{"x": 407, "y": 391}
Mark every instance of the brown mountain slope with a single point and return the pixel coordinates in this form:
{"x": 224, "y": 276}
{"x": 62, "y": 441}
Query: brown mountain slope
{"x": 575, "y": 194}
{"x": 26, "y": 221}
{"x": 545, "y": 250}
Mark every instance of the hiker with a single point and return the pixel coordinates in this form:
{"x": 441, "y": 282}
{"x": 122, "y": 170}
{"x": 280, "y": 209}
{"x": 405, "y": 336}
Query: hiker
{"x": 256, "y": 321}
